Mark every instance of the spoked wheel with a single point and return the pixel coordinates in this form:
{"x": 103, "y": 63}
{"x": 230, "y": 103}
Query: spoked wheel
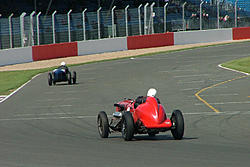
{"x": 69, "y": 78}
{"x": 178, "y": 124}
{"x": 103, "y": 125}
{"x": 50, "y": 79}
{"x": 74, "y": 77}
{"x": 127, "y": 126}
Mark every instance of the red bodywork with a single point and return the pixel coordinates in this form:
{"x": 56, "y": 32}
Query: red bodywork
{"x": 151, "y": 114}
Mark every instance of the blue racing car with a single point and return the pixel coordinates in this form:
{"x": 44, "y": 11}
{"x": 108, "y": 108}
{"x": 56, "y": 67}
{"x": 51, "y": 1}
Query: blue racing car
{"x": 61, "y": 74}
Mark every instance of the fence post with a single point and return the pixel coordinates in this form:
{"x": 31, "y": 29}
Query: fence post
{"x": 69, "y": 30}
{"x": 113, "y": 21}
{"x": 235, "y": 8}
{"x": 165, "y": 17}
{"x": 31, "y": 28}
{"x": 53, "y": 27}
{"x": 218, "y": 14}
{"x": 201, "y": 14}
{"x": 183, "y": 16}
{"x": 139, "y": 17}
{"x": 10, "y": 30}
{"x": 22, "y": 28}
{"x": 145, "y": 18}
{"x": 83, "y": 25}
{"x": 98, "y": 23}
{"x": 37, "y": 28}
{"x": 152, "y": 17}
{"x": 126, "y": 19}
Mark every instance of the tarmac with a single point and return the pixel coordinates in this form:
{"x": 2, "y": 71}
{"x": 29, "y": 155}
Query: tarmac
{"x": 55, "y": 126}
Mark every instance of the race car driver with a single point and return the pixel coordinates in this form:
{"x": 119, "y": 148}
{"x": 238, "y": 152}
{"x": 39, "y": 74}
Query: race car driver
{"x": 142, "y": 99}
{"x": 64, "y": 67}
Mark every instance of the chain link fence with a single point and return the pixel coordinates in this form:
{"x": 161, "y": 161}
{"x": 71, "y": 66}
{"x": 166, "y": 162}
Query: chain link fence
{"x": 37, "y": 29}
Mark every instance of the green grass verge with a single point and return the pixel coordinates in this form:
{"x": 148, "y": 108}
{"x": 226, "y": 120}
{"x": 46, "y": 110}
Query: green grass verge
{"x": 242, "y": 64}
{"x": 11, "y": 80}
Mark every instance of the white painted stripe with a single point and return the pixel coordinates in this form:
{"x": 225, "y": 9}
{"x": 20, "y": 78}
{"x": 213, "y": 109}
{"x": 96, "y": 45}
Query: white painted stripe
{"x": 189, "y": 82}
{"x": 177, "y": 71}
{"x": 51, "y": 106}
{"x": 232, "y": 70}
{"x": 94, "y": 116}
{"x": 222, "y": 103}
{"x": 44, "y": 114}
{"x": 46, "y": 118}
{"x": 18, "y": 89}
{"x": 233, "y": 94}
{"x": 197, "y": 75}
{"x": 189, "y": 89}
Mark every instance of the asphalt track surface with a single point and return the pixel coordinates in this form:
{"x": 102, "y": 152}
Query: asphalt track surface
{"x": 42, "y": 126}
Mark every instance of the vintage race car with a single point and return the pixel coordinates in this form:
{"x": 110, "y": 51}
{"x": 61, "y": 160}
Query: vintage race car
{"x": 145, "y": 115}
{"x": 60, "y": 75}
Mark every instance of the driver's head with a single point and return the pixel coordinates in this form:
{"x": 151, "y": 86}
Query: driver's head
{"x": 152, "y": 92}
{"x": 63, "y": 63}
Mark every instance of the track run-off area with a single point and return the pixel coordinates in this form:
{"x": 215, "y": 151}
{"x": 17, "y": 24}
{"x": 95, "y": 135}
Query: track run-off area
{"x": 42, "y": 126}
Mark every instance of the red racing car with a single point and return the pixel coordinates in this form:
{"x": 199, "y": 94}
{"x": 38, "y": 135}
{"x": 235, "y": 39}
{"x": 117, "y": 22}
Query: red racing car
{"x": 145, "y": 115}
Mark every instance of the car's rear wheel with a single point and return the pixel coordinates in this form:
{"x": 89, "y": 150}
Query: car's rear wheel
{"x": 178, "y": 124}
{"x": 50, "y": 79}
{"x": 69, "y": 78}
{"x": 103, "y": 125}
{"x": 74, "y": 77}
{"x": 127, "y": 126}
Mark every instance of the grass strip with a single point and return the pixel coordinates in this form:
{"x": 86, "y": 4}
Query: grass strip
{"x": 242, "y": 64}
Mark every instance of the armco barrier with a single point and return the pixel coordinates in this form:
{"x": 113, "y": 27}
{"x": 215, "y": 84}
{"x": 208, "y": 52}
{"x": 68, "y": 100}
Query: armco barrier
{"x": 101, "y": 46}
{"x": 241, "y": 33}
{"x": 15, "y": 56}
{"x": 204, "y": 36}
{"x": 45, "y": 52}
{"x": 149, "y": 41}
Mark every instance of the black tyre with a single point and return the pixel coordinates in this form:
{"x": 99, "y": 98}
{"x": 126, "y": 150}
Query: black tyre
{"x": 74, "y": 77}
{"x": 178, "y": 124}
{"x": 103, "y": 124}
{"x": 69, "y": 78}
{"x": 127, "y": 126}
{"x": 50, "y": 79}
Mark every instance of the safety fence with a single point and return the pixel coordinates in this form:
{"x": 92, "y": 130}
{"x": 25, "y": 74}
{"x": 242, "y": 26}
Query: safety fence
{"x": 38, "y": 29}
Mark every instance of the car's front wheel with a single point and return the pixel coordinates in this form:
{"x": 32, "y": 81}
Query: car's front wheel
{"x": 74, "y": 77}
{"x": 103, "y": 124}
{"x": 69, "y": 78}
{"x": 127, "y": 126}
{"x": 50, "y": 79}
{"x": 177, "y": 124}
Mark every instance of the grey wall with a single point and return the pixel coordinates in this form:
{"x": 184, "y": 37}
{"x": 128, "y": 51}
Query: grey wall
{"x": 101, "y": 46}
{"x": 15, "y": 56}
{"x": 204, "y": 36}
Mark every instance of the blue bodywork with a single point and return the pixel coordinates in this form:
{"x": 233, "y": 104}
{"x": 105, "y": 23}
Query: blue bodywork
{"x": 59, "y": 75}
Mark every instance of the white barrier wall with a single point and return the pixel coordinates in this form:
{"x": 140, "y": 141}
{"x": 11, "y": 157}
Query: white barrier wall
{"x": 203, "y": 36}
{"x": 15, "y": 56}
{"x": 101, "y": 46}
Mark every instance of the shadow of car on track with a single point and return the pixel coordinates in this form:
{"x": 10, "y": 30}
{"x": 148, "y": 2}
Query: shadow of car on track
{"x": 66, "y": 84}
{"x": 154, "y": 138}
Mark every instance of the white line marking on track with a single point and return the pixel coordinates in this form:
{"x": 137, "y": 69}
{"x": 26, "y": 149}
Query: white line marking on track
{"x": 187, "y": 89}
{"x": 222, "y": 103}
{"x": 232, "y": 70}
{"x": 18, "y": 89}
{"x": 177, "y": 71}
{"x": 94, "y": 116}
{"x": 196, "y": 75}
{"x": 189, "y": 82}
{"x": 232, "y": 94}
{"x": 46, "y": 118}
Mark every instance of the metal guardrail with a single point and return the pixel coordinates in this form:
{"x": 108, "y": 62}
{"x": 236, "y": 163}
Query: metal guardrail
{"x": 38, "y": 29}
